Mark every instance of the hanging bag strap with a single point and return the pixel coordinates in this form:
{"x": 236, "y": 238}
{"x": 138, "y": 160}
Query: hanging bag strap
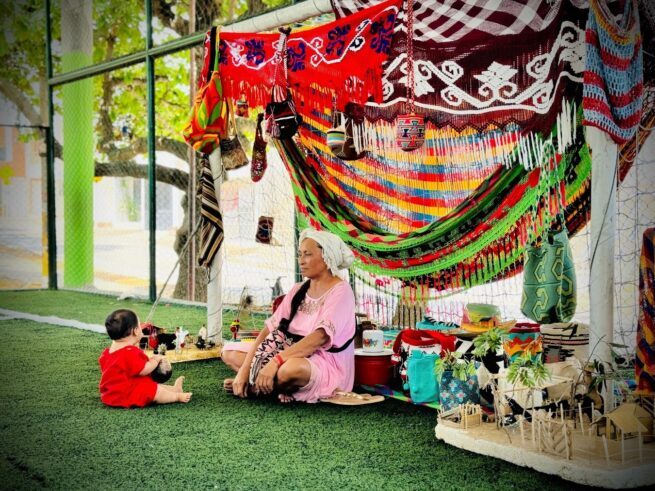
{"x": 280, "y": 92}
{"x": 410, "y": 56}
{"x": 295, "y": 303}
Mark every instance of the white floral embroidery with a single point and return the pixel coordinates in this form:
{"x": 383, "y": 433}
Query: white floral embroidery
{"x": 310, "y": 306}
{"x": 327, "y": 325}
{"x": 498, "y": 89}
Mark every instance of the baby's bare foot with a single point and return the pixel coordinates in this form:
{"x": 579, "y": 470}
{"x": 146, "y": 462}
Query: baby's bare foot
{"x": 178, "y": 384}
{"x": 285, "y": 399}
{"x": 227, "y": 385}
{"x": 184, "y": 396}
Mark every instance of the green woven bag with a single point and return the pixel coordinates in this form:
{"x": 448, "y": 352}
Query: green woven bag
{"x": 549, "y": 288}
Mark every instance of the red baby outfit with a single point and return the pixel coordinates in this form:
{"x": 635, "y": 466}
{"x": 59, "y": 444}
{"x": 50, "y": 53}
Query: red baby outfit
{"x": 120, "y": 383}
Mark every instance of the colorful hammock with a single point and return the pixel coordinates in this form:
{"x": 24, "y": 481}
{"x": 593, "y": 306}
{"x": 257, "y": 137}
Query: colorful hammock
{"x": 481, "y": 239}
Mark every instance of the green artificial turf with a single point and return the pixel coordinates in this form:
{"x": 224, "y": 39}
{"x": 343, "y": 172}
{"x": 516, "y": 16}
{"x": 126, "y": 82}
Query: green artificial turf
{"x": 94, "y": 308}
{"x": 55, "y": 433}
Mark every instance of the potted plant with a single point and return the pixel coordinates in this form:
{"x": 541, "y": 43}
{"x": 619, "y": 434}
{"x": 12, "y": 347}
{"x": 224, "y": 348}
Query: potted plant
{"x": 527, "y": 370}
{"x": 458, "y": 383}
{"x": 486, "y": 347}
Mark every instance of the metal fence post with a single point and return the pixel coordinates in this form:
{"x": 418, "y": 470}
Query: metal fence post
{"x": 152, "y": 170}
{"x": 50, "y": 158}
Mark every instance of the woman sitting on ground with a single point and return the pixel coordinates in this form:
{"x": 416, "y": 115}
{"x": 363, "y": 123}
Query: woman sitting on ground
{"x": 323, "y": 361}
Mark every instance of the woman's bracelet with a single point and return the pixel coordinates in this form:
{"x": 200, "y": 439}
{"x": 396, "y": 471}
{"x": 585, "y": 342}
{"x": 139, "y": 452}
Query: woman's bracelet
{"x": 279, "y": 360}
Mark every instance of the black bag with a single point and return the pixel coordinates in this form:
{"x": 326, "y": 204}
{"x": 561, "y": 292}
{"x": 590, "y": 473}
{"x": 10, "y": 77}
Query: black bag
{"x": 282, "y": 120}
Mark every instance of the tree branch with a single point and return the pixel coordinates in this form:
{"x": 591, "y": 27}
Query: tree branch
{"x": 174, "y": 177}
{"x": 139, "y": 146}
{"x": 24, "y": 105}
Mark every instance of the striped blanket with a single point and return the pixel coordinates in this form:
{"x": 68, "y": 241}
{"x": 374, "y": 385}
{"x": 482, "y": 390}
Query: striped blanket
{"x": 645, "y": 364}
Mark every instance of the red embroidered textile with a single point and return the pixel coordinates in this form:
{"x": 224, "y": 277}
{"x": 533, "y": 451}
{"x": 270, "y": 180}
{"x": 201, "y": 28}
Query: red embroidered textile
{"x": 345, "y": 57}
{"x": 120, "y": 383}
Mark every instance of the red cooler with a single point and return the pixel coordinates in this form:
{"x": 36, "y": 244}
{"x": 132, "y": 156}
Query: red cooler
{"x": 373, "y": 368}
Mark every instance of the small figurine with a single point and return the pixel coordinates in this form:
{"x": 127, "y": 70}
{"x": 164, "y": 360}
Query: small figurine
{"x": 202, "y": 337}
{"x": 234, "y": 328}
{"x": 180, "y": 337}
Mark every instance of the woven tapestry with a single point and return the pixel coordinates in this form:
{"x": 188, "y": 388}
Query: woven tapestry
{"x": 645, "y": 362}
{"x": 342, "y": 58}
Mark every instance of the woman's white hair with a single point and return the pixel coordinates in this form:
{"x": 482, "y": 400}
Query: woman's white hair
{"x": 336, "y": 253}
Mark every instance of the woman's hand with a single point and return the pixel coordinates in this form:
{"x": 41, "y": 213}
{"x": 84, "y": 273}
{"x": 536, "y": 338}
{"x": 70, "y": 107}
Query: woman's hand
{"x": 240, "y": 384}
{"x": 266, "y": 378}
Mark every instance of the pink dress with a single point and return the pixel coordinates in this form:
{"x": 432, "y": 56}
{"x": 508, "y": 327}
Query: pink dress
{"x": 334, "y": 312}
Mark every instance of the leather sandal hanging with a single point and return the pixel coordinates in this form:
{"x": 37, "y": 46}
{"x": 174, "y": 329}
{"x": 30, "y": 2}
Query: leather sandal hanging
{"x": 259, "y": 163}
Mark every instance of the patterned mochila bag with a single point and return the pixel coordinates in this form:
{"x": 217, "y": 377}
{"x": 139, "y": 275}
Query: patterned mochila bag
{"x": 232, "y": 154}
{"x": 409, "y": 340}
{"x": 280, "y": 338}
{"x": 277, "y": 340}
{"x": 410, "y": 127}
{"x": 549, "y": 286}
{"x": 341, "y": 137}
{"x": 208, "y": 121}
{"x": 282, "y": 119}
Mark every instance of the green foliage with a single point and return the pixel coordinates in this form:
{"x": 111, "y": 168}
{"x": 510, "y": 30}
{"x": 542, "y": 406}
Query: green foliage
{"x": 489, "y": 342}
{"x": 528, "y": 370}
{"x": 452, "y": 362}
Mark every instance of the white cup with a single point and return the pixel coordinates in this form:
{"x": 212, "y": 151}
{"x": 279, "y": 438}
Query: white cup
{"x": 373, "y": 341}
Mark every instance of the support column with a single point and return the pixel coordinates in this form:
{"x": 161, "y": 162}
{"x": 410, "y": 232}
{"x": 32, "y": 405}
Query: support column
{"x": 214, "y": 293}
{"x": 78, "y": 152}
{"x": 603, "y": 231}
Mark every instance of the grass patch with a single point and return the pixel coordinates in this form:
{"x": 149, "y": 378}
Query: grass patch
{"x": 94, "y": 308}
{"x": 55, "y": 433}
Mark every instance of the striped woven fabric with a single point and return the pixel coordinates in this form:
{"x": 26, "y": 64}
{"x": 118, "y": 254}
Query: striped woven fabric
{"x": 479, "y": 239}
{"x": 645, "y": 364}
{"x": 211, "y": 227}
{"x": 613, "y": 78}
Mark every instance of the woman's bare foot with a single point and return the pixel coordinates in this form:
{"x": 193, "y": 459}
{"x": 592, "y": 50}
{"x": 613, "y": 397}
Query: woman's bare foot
{"x": 227, "y": 385}
{"x": 285, "y": 399}
{"x": 178, "y": 384}
{"x": 184, "y": 396}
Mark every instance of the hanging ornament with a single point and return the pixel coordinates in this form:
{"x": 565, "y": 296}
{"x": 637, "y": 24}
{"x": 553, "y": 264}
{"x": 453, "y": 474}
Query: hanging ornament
{"x": 410, "y": 127}
{"x": 242, "y": 106}
{"x": 336, "y": 135}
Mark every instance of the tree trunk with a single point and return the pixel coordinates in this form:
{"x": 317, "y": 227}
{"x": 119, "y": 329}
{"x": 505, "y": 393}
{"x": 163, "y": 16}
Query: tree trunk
{"x": 182, "y": 235}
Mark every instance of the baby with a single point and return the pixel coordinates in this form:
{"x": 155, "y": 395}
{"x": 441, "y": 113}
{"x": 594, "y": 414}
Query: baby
{"x": 125, "y": 380}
